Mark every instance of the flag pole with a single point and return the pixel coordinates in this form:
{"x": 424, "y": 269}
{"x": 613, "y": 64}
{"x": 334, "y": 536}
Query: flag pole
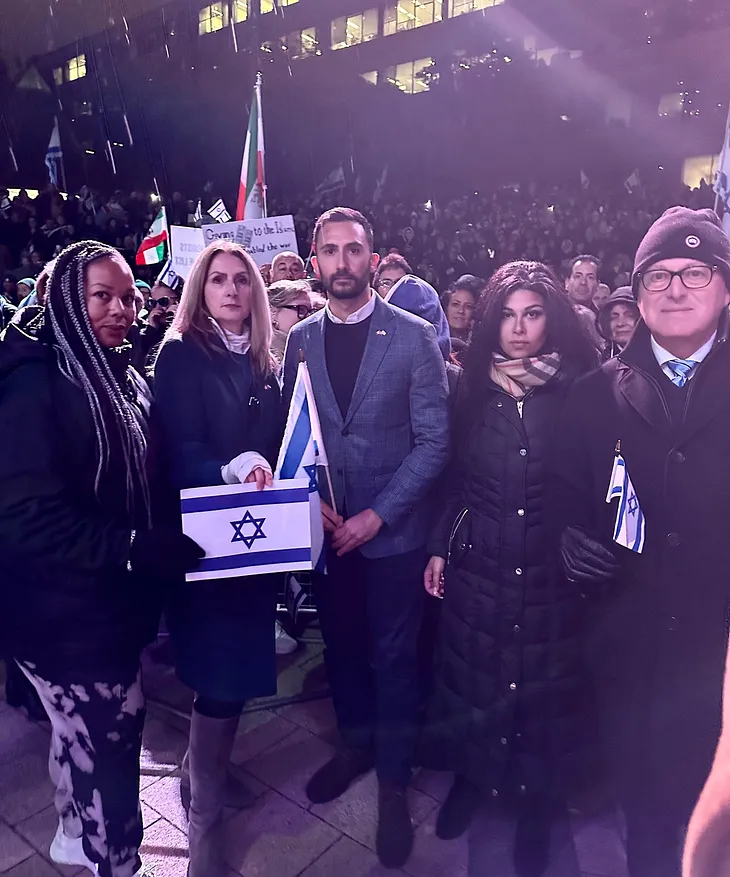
{"x": 63, "y": 166}
{"x": 315, "y": 416}
{"x": 721, "y": 168}
{"x": 259, "y": 83}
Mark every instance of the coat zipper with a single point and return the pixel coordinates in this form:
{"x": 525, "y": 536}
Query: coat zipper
{"x": 455, "y": 526}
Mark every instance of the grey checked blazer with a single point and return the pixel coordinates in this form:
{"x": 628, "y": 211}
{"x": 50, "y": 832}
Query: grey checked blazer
{"x": 393, "y": 443}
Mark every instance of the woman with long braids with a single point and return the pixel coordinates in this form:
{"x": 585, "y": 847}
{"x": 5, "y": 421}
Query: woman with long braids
{"x": 508, "y": 696}
{"x": 78, "y": 588}
{"x": 220, "y": 408}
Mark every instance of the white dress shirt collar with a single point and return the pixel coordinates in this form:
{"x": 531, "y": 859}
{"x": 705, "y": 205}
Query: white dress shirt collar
{"x": 357, "y": 316}
{"x": 664, "y": 356}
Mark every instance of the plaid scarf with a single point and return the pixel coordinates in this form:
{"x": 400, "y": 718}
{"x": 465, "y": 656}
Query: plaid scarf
{"x": 517, "y": 376}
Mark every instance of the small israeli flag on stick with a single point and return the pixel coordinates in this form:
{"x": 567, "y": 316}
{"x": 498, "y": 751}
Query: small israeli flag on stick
{"x": 218, "y": 212}
{"x": 198, "y": 215}
{"x": 630, "y": 527}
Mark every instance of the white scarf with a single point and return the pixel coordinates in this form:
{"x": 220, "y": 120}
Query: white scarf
{"x": 234, "y": 343}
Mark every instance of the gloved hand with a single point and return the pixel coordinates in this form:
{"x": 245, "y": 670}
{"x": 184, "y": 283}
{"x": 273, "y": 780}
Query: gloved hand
{"x": 584, "y": 559}
{"x": 240, "y": 467}
{"x": 164, "y": 551}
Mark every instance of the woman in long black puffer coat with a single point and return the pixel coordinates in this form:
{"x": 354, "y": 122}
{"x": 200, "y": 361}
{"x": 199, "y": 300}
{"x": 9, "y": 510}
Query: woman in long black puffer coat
{"x": 509, "y": 701}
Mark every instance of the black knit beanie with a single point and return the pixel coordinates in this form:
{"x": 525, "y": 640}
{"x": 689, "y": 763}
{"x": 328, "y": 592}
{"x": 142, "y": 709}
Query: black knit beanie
{"x": 681, "y": 233}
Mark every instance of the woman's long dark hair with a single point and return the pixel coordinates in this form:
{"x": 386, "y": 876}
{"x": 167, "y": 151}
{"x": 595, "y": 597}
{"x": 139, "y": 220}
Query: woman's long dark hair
{"x": 120, "y": 429}
{"x": 565, "y": 335}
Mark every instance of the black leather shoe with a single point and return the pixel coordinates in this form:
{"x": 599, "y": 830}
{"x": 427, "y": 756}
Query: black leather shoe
{"x": 335, "y": 778}
{"x": 457, "y": 810}
{"x": 394, "y": 840}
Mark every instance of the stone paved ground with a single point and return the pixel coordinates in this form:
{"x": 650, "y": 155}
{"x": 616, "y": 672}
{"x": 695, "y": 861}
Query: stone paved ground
{"x": 278, "y": 747}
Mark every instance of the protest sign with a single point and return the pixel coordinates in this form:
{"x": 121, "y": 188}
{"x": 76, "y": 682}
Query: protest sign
{"x": 245, "y": 531}
{"x": 185, "y": 244}
{"x": 262, "y": 238}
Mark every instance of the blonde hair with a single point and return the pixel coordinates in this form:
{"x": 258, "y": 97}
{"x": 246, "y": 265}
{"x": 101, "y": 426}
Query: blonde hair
{"x": 193, "y": 319}
{"x": 283, "y": 292}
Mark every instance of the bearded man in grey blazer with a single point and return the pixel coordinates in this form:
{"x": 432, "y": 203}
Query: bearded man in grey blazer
{"x": 380, "y": 386}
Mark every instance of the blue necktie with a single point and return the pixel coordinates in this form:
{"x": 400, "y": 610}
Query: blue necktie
{"x": 681, "y": 369}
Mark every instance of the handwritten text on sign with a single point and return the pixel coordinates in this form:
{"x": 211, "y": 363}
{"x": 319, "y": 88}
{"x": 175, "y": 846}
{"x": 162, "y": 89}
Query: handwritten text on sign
{"x": 262, "y": 238}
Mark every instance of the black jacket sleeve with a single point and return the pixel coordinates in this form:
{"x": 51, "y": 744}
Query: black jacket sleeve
{"x": 41, "y": 516}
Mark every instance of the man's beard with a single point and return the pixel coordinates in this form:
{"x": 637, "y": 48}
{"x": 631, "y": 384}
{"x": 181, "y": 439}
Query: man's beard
{"x": 354, "y": 289}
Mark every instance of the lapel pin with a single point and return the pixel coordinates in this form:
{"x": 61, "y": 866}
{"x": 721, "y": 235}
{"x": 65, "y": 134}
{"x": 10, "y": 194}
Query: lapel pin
{"x": 381, "y": 332}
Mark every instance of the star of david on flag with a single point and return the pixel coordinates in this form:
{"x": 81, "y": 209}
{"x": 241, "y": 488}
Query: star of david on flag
{"x": 630, "y": 527}
{"x": 248, "y": 538}
{"x": 302, "y": 450}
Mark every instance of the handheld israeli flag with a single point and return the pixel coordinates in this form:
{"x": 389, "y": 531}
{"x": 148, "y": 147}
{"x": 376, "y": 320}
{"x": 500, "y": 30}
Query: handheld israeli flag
{"x": 168, "y": 276}
{"x": 218, "y": 212}
{"x": 198, "y": 215}
{"x": 248, "y": 532}
{"x": 54, "y": 155}
{"x": 630, "y": 527}
{"x": 302, "y": 450}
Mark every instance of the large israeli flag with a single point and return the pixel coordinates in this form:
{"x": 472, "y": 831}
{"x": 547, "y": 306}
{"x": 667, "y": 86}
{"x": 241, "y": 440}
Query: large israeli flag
{"x": 302, "y": 450}
{"x": 630, "y": 526}
{"x": 248, "y": 532}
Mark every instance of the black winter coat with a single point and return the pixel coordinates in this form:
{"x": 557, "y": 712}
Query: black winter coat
{"x": 510, "y": 691}
{"x": 66, "y": 595}
{"x": 658, "y": 636}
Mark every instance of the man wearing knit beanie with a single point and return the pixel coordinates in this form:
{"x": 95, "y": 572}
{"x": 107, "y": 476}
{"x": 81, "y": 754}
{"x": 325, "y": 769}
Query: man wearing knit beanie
{"x": 642, "y": 492}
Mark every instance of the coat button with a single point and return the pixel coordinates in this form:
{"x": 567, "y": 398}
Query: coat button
{"x": 513, "y": 686}
{"x": 521, "y": 512}
{"x": 673, "y": 623}
{"x": 678, "y": 457}
{"x": 523, "y": 789}
{"x": 518, "y": 571}
{"x": 495, "y": 793}
{"x": 523, "y": 452}
{"x": 673, "y": 540}
{"x": 516, "y": 628}
{"x": 499, "y": 404}
{"x": 503, "y": 741}
{"x": 345, "y": 432}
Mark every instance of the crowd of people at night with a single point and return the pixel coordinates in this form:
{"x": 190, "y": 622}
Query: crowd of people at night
{"x": 522, "y": 395}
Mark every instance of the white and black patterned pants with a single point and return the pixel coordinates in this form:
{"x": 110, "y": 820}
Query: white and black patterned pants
{"x": 94, "y": 762}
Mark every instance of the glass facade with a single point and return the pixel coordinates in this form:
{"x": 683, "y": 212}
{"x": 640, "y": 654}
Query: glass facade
{"x": 213, "y": 17}
{"x": 76, "y": 68}
{"x": 302, "y": 43}
{"x": 412, "y": 77}
{"x": 409, "y": 14}
{"x": 240, "y": 10}
{"x": 459, "y": 7}
{"x": 353, "y": 29}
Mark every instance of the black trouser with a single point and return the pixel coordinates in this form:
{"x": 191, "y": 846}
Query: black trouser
{"x": 370, "y": 611}
{"x": 97, "y": 722}
{"x": 655, "y": 830}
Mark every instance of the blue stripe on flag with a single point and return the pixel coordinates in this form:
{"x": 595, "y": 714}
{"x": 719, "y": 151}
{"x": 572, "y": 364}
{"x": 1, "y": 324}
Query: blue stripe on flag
{"x": 243, "y": 500}
{"x": 258, "y": 558}
{"x": 621, "y": 510}
{"x": 297, "y": 443}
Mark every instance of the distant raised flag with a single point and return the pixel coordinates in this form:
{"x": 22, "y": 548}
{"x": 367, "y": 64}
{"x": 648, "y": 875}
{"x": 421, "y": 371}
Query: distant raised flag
{"x": 333, "y": 183}
{"x": 54, "y": 155}
{"x": 630, "y": 525}
{"x": 218, "y": 211}
{"x": 302, "y": 451}
{"x": 584, "y": 181}
{"x": 632, "y": 182}
{"x": 252, "y": 184}
{"x": 380, "y": 185}
{"x": 152, "y": 248}
{"x": 722, "y": 180}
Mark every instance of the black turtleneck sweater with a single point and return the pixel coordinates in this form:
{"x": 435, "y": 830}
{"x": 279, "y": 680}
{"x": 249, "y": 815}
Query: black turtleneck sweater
{"x": 344, "y": 346}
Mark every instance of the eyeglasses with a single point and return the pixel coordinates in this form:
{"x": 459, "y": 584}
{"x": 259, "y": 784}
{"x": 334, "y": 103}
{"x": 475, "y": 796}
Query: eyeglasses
{"x": 163, "y": 302}
{"x": 385, "y": 283}
{"x": 303, "y": 311}
{"x": 692, "y": 277}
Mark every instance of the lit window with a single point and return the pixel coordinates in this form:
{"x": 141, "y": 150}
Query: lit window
{"x": 58, "y": 75}
{"x": 302, "y": 43}
{"x": 459, "y": 7}
{"x": 671, "y": 104}
{"x": 409, "y": 14}
{"x": 267, "y": 6}
{"x": 287, "y": 2}
{"x": 353, "y": 29}
{"x": 240, "y": 10}
{"x": 371, "y": 77}
{"x": 76, "y": 68}
{"x": 699, "y": 168}
{"x": 213, "y": 17}
{"x": 412, "y": 77}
